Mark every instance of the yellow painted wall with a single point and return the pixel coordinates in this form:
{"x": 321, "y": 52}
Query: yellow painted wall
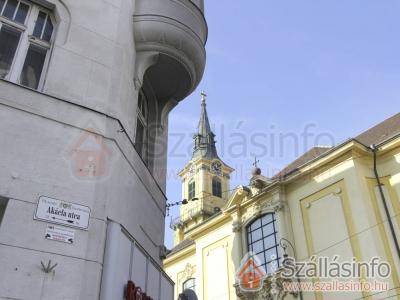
{"x": 178, "y": 271}
{"x": 214, "y": 266}
{"x": 334, "y": 209}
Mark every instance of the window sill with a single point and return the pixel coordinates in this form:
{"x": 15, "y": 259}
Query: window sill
{"x": 39, "y": 42}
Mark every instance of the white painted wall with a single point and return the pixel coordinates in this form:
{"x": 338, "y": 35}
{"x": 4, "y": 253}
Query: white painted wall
{"x": 89, "y": 82}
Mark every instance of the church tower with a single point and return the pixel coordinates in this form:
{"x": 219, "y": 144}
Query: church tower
{"x": 205, "y": 179}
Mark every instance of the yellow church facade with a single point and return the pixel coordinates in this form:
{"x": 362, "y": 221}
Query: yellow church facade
{"x": 341, "y": 201}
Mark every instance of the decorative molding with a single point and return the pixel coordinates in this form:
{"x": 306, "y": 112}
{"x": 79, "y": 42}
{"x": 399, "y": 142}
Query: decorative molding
{"x": 236, "y": 199}
{"x": 205, "y": 167}
{"x": 187, "y": 273}
{"x": 226, "y": 175}
{"x": 279, "y": 206}
{"x": 259, "y": 208}
{"x": 259, "y": 182}
{"x": 243, "y": 191}
{"x": 236, "y": 226}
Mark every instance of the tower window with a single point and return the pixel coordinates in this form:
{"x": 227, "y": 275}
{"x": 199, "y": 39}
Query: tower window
{"x": 142, "y": 134}
{"x": 26, "y": 32}
{"x": 3, "y": 205}
{"x": 192, "y": 189}
{"x": 216, "y": 187}
{"x": 262, "y": 240}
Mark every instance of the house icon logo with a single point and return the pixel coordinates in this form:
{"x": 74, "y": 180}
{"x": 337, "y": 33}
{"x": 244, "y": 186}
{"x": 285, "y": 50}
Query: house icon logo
{"x": 89, "y": 156}
{"x": 251, "y": 275}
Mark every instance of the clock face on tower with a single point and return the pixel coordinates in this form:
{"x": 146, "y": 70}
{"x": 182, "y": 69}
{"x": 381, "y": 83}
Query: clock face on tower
{"x": 216, "y": 168}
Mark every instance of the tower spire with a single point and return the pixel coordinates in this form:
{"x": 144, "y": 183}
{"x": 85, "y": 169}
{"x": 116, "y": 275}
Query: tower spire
{"x": 204, "y": 143}
{"x": 204, "y": 128}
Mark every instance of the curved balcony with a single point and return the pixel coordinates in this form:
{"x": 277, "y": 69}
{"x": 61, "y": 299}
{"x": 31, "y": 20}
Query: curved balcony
{"x": 170, "y": 37}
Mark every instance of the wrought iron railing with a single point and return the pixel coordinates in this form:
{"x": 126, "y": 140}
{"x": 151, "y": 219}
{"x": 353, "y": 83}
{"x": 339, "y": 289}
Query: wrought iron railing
{"x": 200, "y": 208}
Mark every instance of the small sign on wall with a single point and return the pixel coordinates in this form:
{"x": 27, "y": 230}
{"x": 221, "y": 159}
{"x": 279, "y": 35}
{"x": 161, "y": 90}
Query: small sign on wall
{"x": 63, "y": 213}
{"x": 60, "y": 234}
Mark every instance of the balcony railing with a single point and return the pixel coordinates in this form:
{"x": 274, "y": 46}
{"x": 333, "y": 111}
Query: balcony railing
{"x": 199, "y": 209}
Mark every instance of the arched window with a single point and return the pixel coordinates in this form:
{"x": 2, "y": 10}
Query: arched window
{"x": 142, "y": 135}
{"x": 216, "y": 187}
{"x": 189, "y": 284}
{"x": 192, "y": 189}
{"x": 262, "y": 240}
{"x": 26, "y": 35}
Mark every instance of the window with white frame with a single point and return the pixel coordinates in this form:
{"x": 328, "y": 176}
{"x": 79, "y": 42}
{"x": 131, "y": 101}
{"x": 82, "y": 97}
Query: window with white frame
{"x": 26, "y": 32}
{"x": 262, "y": 240}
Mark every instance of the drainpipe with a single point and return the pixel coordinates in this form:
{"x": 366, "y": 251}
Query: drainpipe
{"x": 396, "y": 242}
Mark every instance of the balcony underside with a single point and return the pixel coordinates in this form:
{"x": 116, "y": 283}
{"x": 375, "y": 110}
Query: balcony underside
{"x": 169, "y": 79}
{"x": 174, "y": 32}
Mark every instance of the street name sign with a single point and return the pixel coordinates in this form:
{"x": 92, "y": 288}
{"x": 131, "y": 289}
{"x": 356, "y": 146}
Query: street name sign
{"x": 63, "y": 213}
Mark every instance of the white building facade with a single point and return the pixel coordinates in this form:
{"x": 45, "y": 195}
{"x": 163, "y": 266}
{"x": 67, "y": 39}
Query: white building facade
{"x": 85, "y": 92}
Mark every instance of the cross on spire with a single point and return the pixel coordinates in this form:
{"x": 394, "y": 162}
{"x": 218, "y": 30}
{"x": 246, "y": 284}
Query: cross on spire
{"x": 256, "y": 161}
{"x": 203, "y": 97}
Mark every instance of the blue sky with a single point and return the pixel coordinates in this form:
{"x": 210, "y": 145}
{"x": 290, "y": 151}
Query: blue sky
{"x": 283, "y": 76}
